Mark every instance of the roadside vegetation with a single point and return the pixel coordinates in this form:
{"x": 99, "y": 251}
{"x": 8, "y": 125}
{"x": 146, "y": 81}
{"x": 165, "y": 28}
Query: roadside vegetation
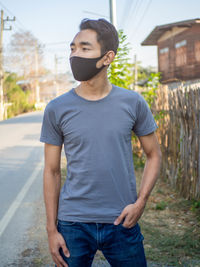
{"x": 20, "y": 73}
{"x": 17, "y": 99}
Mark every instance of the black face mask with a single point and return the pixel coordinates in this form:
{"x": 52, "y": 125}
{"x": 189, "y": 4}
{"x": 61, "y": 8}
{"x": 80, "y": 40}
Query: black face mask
{"x": 84, "y": 69}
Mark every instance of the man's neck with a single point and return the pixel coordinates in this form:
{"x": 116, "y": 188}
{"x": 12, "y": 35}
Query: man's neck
{"x": 94, "y": 89}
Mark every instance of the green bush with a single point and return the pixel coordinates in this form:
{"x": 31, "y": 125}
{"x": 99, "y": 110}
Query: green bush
{"x": 18, "y": 98}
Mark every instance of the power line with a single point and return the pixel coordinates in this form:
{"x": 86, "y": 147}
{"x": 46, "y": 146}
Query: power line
{"x": 20, "y": 27}
{"x": 96, "y": 14}
{"x": 7, "y": 9}
{"x": 124, "y": 15}
{"x": 141, "y": 19}
{"x": 137, "y": 11}
{"x": 134, "y": 3}
{"x": 18, "y": 21}
{"x": 133, "y": 12}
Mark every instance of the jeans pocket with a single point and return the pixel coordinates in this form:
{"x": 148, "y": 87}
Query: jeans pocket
{"x": 133, "y": 232}
{"x": 133, "y": 228}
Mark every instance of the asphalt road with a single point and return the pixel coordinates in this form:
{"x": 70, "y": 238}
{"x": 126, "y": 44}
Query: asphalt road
{"x": 21, "y": 167}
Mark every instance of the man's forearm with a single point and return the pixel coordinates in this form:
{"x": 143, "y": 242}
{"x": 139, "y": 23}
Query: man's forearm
{"x": 51, "y": 190}
{"x": 149, "y": 177}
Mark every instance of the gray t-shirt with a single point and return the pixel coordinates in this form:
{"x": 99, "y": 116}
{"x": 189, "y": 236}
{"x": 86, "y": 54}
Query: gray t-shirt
{"x": 96, "y": 134}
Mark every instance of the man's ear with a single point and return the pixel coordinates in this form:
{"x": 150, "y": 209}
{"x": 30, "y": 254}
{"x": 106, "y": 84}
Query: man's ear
{"x": 109, "y": 57}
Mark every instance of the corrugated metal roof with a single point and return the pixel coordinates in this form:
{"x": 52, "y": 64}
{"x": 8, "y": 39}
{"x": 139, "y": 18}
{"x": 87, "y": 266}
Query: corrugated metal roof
{"x": 158, "y": 31}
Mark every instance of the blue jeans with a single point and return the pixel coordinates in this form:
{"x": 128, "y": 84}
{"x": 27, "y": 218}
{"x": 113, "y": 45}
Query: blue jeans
{"x": 121, "y": 246}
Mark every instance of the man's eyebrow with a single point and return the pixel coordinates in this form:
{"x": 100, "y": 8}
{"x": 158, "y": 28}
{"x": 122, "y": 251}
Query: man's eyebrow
{"x": 81, "y": 43}
{"x": 85, "y": 43}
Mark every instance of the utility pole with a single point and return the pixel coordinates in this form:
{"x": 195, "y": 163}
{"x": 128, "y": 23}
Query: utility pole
{"x": 56, "y": 62}
{"x": 2, "y": 106}
{"x": 1, "y": 70}
{"x": 113, "y": 16}
{"x": 37, "y": 87}
{"x": 135, "y": 73}
{"x": 56, "y": 73}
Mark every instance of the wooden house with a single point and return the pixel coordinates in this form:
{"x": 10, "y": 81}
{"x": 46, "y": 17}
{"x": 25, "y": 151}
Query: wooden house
{"x": 178, "y": 50}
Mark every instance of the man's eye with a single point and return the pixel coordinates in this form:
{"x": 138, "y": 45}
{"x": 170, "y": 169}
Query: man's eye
{"x": 84, "y": 48}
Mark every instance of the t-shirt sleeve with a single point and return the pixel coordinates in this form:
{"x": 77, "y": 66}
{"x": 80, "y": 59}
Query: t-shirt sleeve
{"x": 145, "y": 122}
{"x": 50, "y": 131}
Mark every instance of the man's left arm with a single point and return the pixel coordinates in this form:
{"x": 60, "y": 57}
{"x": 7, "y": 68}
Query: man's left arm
{"x": 134, "y": 211}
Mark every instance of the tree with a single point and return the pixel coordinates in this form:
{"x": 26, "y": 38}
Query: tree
{"x": 152, "y": 86}
{"x": 20, "y": 56}
{"x": 120, "y": 71}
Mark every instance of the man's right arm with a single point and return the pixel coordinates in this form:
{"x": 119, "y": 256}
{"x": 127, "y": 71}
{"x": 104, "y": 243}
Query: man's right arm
{"x": 51, "y": 191}
{"x": 51, "y": 184}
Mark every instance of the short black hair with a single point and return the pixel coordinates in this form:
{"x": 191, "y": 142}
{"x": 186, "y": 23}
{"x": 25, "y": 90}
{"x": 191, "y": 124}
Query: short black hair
{"x": 107, "y": 35}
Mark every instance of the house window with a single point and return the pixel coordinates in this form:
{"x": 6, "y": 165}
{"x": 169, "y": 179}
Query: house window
{"x": 164, "y": 50}
{"x": 181, "y": 53}
{"x": 164, "y": 58}
{"x": 180, "y": 44}
{"x": 197, "y": 50}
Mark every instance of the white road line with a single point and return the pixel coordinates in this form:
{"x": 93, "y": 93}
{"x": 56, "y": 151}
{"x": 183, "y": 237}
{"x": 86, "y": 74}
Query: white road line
{"x": 16, "y": 203}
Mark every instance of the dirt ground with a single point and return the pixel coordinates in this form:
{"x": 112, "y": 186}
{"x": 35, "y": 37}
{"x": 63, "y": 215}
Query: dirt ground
{"x": 170, "y": 227}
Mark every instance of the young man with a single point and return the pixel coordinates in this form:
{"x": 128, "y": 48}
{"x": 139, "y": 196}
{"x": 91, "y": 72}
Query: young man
{"x": 98, "y": 206}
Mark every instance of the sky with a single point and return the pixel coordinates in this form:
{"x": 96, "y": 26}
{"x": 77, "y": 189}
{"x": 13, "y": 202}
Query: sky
{"x": 55, "y": 23}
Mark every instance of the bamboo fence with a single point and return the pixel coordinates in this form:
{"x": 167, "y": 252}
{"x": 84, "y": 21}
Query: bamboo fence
{"x": 179, "y": 136}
